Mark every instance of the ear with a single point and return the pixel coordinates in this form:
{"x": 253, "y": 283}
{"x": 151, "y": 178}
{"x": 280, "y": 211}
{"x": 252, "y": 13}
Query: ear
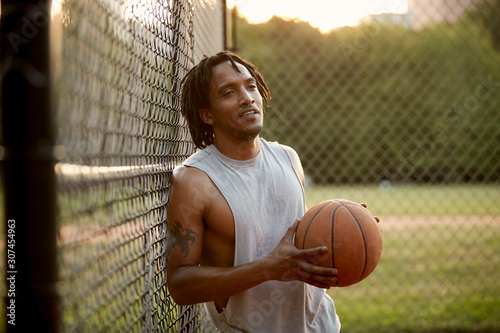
{"x": 206, "y": 116}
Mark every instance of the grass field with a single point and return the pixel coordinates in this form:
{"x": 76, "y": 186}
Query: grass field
{"x": 440, "y": 267}
{"x": 413, "y": 200}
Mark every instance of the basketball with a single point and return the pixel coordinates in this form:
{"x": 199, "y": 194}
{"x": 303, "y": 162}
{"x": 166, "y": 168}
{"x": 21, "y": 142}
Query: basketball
{"x": 351, "y": 234}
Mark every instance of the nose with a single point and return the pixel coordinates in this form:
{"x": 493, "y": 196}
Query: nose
{"x": 246, "y": 97}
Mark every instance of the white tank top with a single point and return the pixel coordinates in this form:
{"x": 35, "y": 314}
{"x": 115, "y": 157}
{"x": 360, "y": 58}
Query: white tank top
{"x": 265, "y": 196}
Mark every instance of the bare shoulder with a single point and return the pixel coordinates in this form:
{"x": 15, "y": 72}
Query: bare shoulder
{"x": 188, "y": 182}
{"x": 185, "y": 174}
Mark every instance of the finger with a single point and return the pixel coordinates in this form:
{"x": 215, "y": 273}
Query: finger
{"x": 378, "y": 221}
{"x": 290, "y": 233}
{"x": 311, "y": 266}
{"x": 293, "y": 228}
{"x": 315, "y": 261}
{"x": 320, "y": 281}
{"x": 315, "y": 269}
{"x": 313, "y": 252}
{"x": 318, "y": 284}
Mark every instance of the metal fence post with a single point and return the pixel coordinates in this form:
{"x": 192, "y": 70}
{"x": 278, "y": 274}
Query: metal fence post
{"x": 28, "y": 178}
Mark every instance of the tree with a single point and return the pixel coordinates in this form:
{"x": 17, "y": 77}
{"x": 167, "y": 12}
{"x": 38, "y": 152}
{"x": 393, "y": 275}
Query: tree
{"x": 487, "y": 15}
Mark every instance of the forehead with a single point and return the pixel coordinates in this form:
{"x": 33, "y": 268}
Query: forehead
{"x": 225, "y": 73}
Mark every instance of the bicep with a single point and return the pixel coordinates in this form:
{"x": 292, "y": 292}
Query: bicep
{"x": 184, "y": 224}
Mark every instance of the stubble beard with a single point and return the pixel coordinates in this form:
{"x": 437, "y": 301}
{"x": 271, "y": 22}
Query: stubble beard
{"x": 247, "y": 134}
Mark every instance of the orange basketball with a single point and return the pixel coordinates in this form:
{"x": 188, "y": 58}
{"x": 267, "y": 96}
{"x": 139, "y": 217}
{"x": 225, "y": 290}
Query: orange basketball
{"x": 350, "y": 232}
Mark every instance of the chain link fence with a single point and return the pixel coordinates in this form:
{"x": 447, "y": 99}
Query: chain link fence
{"x": 401, "y": 112}
{"x": 118, "y": 119}
{"x": 116, "y": 133}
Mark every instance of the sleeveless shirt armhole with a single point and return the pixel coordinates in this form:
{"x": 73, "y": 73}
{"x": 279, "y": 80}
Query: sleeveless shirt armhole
{"x": 291, "y": 162}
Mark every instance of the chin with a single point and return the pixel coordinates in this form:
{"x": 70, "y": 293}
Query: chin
{"x": 249, "y": 135}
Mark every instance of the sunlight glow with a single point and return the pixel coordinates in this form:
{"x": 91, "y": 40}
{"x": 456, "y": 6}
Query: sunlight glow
{"x": 322, "y": 14}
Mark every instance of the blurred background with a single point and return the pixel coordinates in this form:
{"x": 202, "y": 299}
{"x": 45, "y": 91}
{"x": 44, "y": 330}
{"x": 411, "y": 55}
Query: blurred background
{"x": 394, "y": 103}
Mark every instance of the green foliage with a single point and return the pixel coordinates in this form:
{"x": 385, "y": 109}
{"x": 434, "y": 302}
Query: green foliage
{"x": 382, "y": 101}
{"x": 487, "y": 16}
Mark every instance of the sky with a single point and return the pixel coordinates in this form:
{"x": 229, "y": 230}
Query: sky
{"x": 322, "y": 14}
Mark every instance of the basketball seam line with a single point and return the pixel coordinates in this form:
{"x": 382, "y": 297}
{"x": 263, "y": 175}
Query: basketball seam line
{"x": 333, "y": 235}
{"x": 310, "y": 222}
{"x": 363, "y": 236}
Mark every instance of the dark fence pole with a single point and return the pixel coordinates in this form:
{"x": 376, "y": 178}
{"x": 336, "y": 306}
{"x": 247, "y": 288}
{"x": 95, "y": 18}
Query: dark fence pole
{"x": 28, "y": 178}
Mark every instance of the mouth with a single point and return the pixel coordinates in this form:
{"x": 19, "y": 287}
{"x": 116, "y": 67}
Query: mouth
{"x": 250, "y": 112}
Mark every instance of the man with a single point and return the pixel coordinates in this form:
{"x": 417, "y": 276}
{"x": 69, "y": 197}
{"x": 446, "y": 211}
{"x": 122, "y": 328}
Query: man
{"x": 231, "y": 212}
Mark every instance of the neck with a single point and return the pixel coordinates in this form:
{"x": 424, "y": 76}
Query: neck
{"x": 243, "y": 150}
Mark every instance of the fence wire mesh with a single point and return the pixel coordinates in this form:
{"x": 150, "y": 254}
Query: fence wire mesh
{"x": 118, "y": 71}
{"x": 400, "y": 112}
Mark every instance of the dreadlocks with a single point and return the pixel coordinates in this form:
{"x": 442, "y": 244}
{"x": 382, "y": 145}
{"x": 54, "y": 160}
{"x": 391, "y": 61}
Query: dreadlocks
{"x": 195, "y": 89}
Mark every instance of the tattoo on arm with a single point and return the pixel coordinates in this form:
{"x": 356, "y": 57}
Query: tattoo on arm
{"x": 178, "y": 236}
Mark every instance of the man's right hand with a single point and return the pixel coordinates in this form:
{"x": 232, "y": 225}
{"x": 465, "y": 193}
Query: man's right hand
{"x": 288, "y": 263}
